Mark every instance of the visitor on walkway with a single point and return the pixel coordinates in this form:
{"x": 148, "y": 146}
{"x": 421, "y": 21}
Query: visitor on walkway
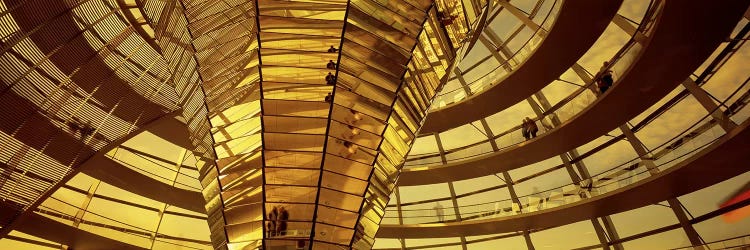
{"x": 525, "y": 129}
{"x": 282, "y": 224}
{"x": 329, "y": 97}
{"x": 332, "y": 49}
{"x": 605, "y": 79}
{"x": 330, "y": 79}
{"x": 439, "y": 212}
{"x": 531, "y": 128}
{"x": 273, "y": 217}
{"x": 331, "y": 65}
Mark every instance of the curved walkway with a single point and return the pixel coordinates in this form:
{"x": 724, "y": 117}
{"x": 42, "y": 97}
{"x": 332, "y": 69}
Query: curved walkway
{"x": 115, "y": 174}
{"x": 712, "y": 165}
{"x": 53, "y": 230}
{"x": 578, "y": 26}
{"x": 686, "y": 34}
{"x": 168, "y": 127}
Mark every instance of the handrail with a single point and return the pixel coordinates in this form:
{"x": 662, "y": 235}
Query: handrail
{"x": 145, "y": 233}
{"x": 735, "y": 242}
{"x": 589, "y": 183}
{"x": 566, "y": 103}
{"x": 641, "y": 28}
{"x": 507, "y": 62}
{"x": 707, "y": 216}
{"x": 731, "y": 110}
{"x": 156, "y": 177}
{"x": 578, "y": 95}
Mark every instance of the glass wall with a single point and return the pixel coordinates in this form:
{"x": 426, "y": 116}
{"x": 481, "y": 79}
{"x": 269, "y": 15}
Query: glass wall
{"x": 675, "y": 128}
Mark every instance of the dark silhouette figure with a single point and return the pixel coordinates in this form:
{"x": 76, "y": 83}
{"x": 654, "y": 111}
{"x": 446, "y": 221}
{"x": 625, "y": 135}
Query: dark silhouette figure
{"x": 446, "y": 20}
{"x": 331, "y": 65}
{"x": 273, "y": 217}
{"x": 439, "y": 212}
{"x": 533, "y": 129}
{"x": 525, "y": 129}
{"x": 530, "y": 127}
{"x": 605, "y": 80}
{"x": 282, "y": 223}
{"x": 329, "y": 97}
{"x": 85, "y": 129}
{"x": 330, "y": 79}
{"x": 332, "y": 49}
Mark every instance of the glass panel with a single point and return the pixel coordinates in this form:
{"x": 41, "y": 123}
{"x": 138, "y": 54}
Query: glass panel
{"x": 631, "y": 222}
{"x": 666, "y": 240}
{"x": 560, "y": 237}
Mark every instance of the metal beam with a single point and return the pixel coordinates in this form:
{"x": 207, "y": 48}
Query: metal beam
{"x": 583, "y": 173}
{"x": 674, "y": 204}
{"x": 156, "y": 124}
{"x": 522, "y": 16}
{"x": 629, "y": 28}
{"x": 514, "y": 197}
{"x": 705, "y": 100}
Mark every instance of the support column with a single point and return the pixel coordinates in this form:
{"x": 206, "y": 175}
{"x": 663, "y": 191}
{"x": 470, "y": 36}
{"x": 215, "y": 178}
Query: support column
{"x": 84, "y": 207}
{"x": 610, "y": 227}
{"x": 491, "y": 47}
{"x": 400, "y": 214}
{"x": 522, "y": 16}
{"x": 178, "y": 165}
{"x": 450, "y": 187}
{"x": 514, "y": 197}
{"x": 629, "y": 28}
{"x": 462, "y": 81}
{"x": 502, "y": 48}
{"x": 600, "y": 233}
{"x": 584, "y": 75}
{"x": 456, "y": 211}
{"x": 583, "y": 173}
{"x": 648, "y": 162}
{"x": 490, "y": 135}
{"x": 674, "y": 204}
{"x": 705, "y": 100}
{"x": 398, "y": 205}
{"x": 566, "y": 157}
{"x": 441, "y": 151}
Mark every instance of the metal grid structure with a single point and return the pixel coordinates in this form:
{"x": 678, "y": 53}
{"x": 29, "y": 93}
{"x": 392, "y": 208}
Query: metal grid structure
{"x": 129, "y": 118}
{"x": 86, "y": 76}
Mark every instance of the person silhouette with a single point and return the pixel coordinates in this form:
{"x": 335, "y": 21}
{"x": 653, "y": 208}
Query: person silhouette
{"x": 439, "y": 212}
{"x": 605, "y": 80}
{"x": 282, "y": 223}
{"x": 330, "y": 79}
{"x": 273, "y": 218}
{"x": 329, "y": 98}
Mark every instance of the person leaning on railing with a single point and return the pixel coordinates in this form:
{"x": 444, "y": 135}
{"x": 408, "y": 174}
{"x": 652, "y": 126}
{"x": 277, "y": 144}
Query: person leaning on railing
{"x": 331, "y": 65}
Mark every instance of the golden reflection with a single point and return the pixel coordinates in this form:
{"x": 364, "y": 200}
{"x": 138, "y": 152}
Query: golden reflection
{"x": 301, "y": 105}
